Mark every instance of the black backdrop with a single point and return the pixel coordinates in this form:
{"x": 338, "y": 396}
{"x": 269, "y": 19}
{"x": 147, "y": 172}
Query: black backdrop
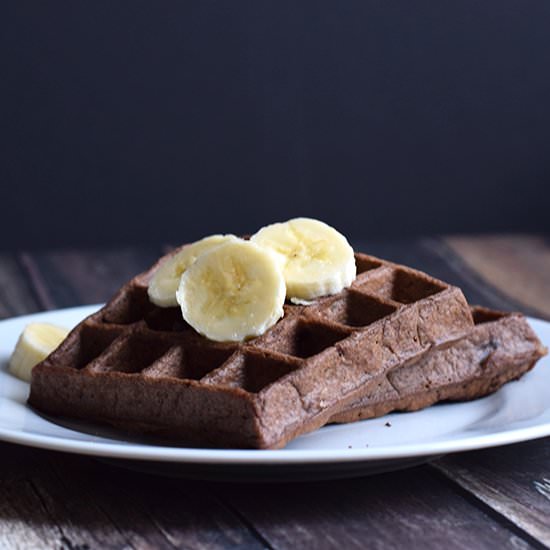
{"x": 134, "y": 122}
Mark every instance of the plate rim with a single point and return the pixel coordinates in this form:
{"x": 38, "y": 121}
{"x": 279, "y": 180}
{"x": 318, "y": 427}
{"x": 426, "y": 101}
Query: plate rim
{"x": 277, "y": 457}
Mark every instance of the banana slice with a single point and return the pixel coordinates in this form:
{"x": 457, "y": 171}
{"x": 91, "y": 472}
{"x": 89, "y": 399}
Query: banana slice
{"x": 36, "y": 342}
{"x": 164, "y": 284}
{"x": 233, "y": 292}
{"x": 316, "y": 259}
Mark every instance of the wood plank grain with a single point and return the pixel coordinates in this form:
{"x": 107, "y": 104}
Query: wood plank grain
{"x": 513, "y": 480}
{"x": 24, "y": 523}
{"x": 16, "y": 295}
{"x": 187, "y": 515}
{"x": 43, "y": 518}
{"x": 75, "y": 502}
{"x": 393, "y": 510}
{"x": 68, "y": 278}
{"x": 516, "y": 265}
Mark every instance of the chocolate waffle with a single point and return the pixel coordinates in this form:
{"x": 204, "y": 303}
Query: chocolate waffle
{"x": 500, "y": 348}
{"x": 141, "y": 368}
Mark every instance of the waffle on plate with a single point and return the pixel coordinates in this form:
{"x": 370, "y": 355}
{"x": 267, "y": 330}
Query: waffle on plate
{"x": 141, "y": 368}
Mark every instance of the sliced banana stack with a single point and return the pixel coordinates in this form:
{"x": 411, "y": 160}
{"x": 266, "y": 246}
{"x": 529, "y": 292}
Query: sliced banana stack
{"x": 233, "y": 292}
{"x": 230, "y": 289}
{"x": 35, "y": 343}
{"x": 164, "y": 284}
{"x": 316, "y": 259}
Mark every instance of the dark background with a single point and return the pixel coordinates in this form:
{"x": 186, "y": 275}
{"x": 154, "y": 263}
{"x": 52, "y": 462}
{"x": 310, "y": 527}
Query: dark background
{"x": 137, "y": 122}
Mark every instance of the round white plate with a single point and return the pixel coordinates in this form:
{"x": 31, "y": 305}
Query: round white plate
{"x": 518, "y": 412}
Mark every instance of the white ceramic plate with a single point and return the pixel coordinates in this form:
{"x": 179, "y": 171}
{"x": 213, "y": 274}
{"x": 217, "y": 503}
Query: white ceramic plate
{"x": 518, "y": 412}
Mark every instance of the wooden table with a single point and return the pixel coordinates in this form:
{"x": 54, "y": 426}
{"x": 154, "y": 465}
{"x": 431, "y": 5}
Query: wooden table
{"x": 488, "y": 499}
